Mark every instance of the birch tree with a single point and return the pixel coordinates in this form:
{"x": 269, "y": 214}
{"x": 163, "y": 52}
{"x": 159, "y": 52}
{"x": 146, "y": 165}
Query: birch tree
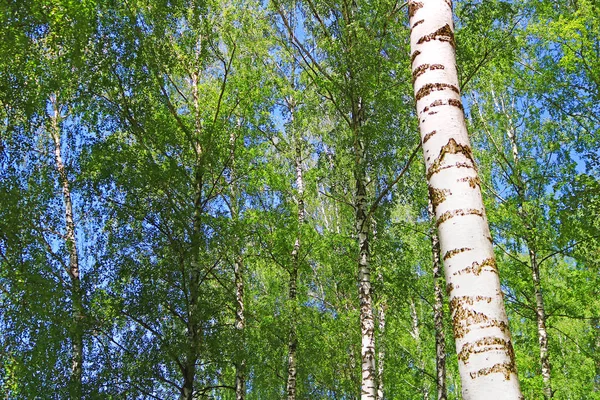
{"x": 483, "y": 343}
{"x": 438, "y": 311}
{"x": 76, "y": 297}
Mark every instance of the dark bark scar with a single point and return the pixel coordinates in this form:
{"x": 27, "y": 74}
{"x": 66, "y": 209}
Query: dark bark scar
{"x": 450, "y": 148}
{"x": 444, "y": 34}
{"x": 434, "y": 87}
{"x": 460, "y": 212}
{"x": 428, "y": 136}
{"x": 452, "y": 253}
{"x": 438, "y": 196}
{"x": 413, "y": 7}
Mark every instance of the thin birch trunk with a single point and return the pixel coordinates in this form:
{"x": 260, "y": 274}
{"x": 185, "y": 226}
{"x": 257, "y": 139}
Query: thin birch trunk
{"x": 596, "y": 330}
{"x": 240, "y": 326}
{"x": 483, "y": 343}
{"x": 238, "y": 272}
{"x": 535, "y": 269}
{"x": 75, "y": 384}
{"x": 293, "y": 337}
{"x": 541, "y": 324}
{"x": 367, "y": 322}
{"x": 381, "y": 353}
{"x": 416, "y": 335}
{"x": 438, "y": 313}
{"x": 193, "y": 324}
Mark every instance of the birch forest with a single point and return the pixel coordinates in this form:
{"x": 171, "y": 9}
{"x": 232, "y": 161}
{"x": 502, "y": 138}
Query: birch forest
{"x": 300, "y": 199}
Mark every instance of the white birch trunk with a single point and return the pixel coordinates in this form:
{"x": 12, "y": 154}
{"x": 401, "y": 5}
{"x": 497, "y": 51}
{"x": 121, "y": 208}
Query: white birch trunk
{"x": 75, "y": 384}
{"x": 415, "y": 332}
{"x": 193, "y": 331}
{"x": 367, "y": 322}
{"x": 483, "y": 344}
{"x": 535, "y": 269}
{"x": 438, "y": 313}
{"x": 240, "y": 326}
{"x": 381, "y": 349}
{"x": 293, "y": 337}
{"x": 238, "y": 272}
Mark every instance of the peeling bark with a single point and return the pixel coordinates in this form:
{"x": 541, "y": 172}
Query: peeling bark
{"x": 486, "y": 363}
{"x": 75, "y": 381}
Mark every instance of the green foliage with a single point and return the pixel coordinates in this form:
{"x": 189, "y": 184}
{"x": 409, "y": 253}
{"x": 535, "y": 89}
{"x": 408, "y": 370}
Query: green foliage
{"x": 178, "y": 139}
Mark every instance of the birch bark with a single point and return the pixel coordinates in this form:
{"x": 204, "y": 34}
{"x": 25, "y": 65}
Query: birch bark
{"x": 438, "y": 313}
{"x": 240, "y": 326}
{"x": 293, "y": 283}
{"x": 75, "y": 384}
{"x": 194, "y": 331}
{"x": 367, "y": 322}
{"x": 381, "y": 351}
{"x": 238, "y": 272}
{"x": 535, "y": 268}
{"x": 483, "y": 343}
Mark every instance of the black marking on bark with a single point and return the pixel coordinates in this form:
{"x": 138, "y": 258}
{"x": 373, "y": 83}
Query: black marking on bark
{"x": 432, "y": 112}
{"x": 472, "y": 180}
{"x": 465, "y": 318}
{"x": 434, "y": 87}
{"x": 449, "y": 3}
{"x": 444, "y": 34}
{"x": 449, "y": 288}
{"x": 413, "y": 56}
{"x": 505, "y": 368}
{"x": 460, "y": 212}
{"x": 419, "y": 22}
{"x": 413, "y": 6}
{"x": 450, "y": 148}
{"x": 420, "y": 70}
{"x": 456, "y": 103}
{"x": 476, "y": 267}
{"x": 489, "y": 343}
{"x": 456, "y": 165}
{"x": 452, "y": 253}
{"x": 439, "y": 102}
{"x": 428, "y": 136}
{"x": 438, "y": 196}
{"x": 436, "y": 103}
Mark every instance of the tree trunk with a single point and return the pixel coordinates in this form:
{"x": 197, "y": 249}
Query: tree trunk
{"x": 381, "y": 353}
{"x": 238, "y": 271}
{"x": 416, "y": 335}
{"x": 483, "y": 344}
{"x": 240, "y": 326}
{"x": 75, "y": 384}
{"x": 438, "y": 313}
{"x": 596, "y": 346}
{"x": 541, "y": 323}
{"x": 193, "y": 331}
{"x": 367, "y": 323}
{"x": 535, "y": 269}
{"x": 293, "y": 338}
